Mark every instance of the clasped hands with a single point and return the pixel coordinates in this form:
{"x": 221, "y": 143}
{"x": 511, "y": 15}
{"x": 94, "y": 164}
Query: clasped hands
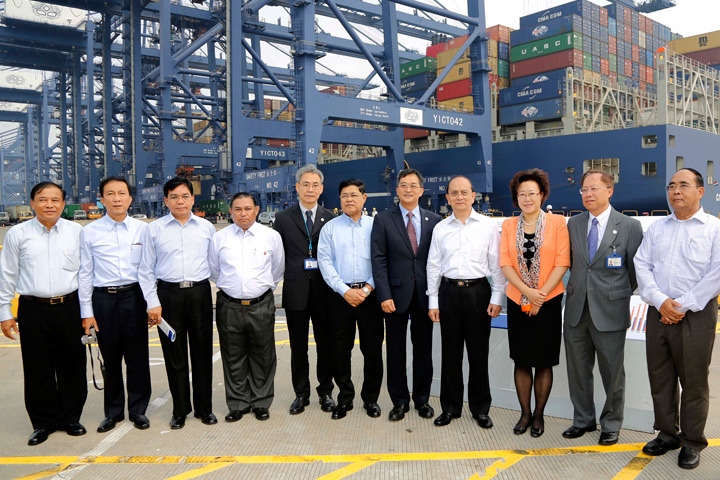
{"x": 355, "y": 296}
{"x": 669, "y": 314}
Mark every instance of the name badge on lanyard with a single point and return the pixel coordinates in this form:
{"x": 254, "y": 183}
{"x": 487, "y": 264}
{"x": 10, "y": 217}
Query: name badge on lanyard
{"x": 311, "y": 264}
{"x": 614, "y": 260}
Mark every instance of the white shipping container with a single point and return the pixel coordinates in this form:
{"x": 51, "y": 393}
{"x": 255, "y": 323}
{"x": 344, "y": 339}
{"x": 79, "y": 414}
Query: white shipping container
{"x": 47, "y": 13}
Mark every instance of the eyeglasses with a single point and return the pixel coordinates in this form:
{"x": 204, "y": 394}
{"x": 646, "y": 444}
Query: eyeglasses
{"x": 354, "y": 196}
{"x": 529, "y": 195}
{"x": 175, "y": 198}
{"x": 412, "y": 186}
{"x": 460, "y": 193}
{"x": 315, "y": 185}
{"x": 684, "y": 187}
{"x": 585, "y": 191}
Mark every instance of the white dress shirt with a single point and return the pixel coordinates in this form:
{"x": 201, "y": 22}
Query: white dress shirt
{"x": 464, "y": 252}
{"x": 416, "y": 219}
{"x": 602, "y": 223}
{"x": 175, "y": 253}
{"x": 110, "y": 254}
{"x": 344, "y": 252}
{"x": 680, "y": 259}
{"x": 247, "y": 263}
{"x": 38, "y": 262}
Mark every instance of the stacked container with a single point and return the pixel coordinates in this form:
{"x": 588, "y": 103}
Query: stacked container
{"x": 416, "y": 77}
{"x": 704, "y": 48}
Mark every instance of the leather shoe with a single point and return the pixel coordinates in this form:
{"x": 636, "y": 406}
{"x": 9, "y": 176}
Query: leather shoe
{"x": 261, "y": 413}
{"x": 483, "y": 420}
{"x": 659, "y": 447}
{"x": 445, "y": 418}
{"x": 74, "y": 429}
{"x": 109, "y": 423}
{"x": 177, "y": 422}
{"x": 39, "y": 436}
{"x": 235, "y": 415}
{"x": 372, "y": 409}
{"x": 327, "y": 404}
{"x": 520, "y": 428}
{"x": 298, "y": 405}
{"x": 209, "y": 419}
{"x": 577, "y": 432}
{"x": 608, "y": 438}
{"x": 689, "y": 458}
{"x": 425, "y": 410}
{"x": 398, "y": 412}
{"x": 141, "y": 421}
{"x": 340, "y": 411}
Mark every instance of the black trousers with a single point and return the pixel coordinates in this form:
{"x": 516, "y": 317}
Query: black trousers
{"x": 298, "y": 322}
{"x": 369, "y": 320}
{"x": 421, "y": 332}
{"x": 54, "y": 362}
{"x": 123, "y": 334}
{"x": 190, "y": 312}
{"x": 464, "y": 323}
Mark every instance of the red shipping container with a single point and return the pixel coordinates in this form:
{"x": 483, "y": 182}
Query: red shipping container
{"x": 604, "y": 17}
{"x": 458, "y": 89}
{"x": 643, "y": 86}
{"x": 649, "y": 25}
{"x": 277, "y": 142}
{"x": 433, "y": 50}
{"x": 268, "y": 104}
{"x": 604, "y": 66}
{"x": 641, "y": 77}
{"x": 613, "y": 78}
{"x": 649, "y": 75}
{"x": 641, "y": 23}
{"x": 499, "y": 33}
{"x": 415, "y": 133}
{"x": 493, "y": 79}
{"x": 635, "y": 53}
{"x": 628, "y": 67}
{"x": 612, "y": 44}
{"x": 456, "y": 42}
{"x": 627, "y": 32}
{"x": 708, "y": 57}
{"x": 554, "y": 61}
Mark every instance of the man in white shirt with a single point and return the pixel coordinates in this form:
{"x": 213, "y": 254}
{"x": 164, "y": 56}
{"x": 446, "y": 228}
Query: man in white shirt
{"x": 464, "y": 252}
{"x": 678, "y": 273}
{"x": 174, "y": 273}
{"x": 248, "y": 261}
{"x": 40, "y": 260}
{"x": 112, "y": 303}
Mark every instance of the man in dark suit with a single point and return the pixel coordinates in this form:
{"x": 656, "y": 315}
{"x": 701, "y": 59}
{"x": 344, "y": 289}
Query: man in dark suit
{"x": 304, "y": 290}
{"x": 400, "y": 243}
{"x": 603, "y": 243}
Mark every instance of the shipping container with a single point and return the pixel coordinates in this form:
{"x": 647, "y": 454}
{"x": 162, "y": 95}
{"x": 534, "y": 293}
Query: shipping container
{"x": 554, "y": 61}
{"x": 503, "y": 82}
{"x": 417, "y": 82}
{"x": 503, "y": 51}
{"x": 708, "y": 57}
{"x": 558, "y": 43}
{"x": 416, "y": 67}
{"x": 456, "y": 42}
{"x": 499, "y": 33}
{"x": 612, "y": 27}
{"x": 409, "y": 133}
{"x": 492, "y": 48}
{"x": 604, "y": 67}
{"x": 696, "y": 43}
{"x": 433, "y": 50}
{"x": 530, "y": 112}
{"x": 462, "y": 104}
{"x": 578, "y": 7}
{"x": 551, "y": 28}
{"x": 531, "y": 93}
{"x": 462, "y": 88}
{"x": 444, "y": 58}
{"x": 458, "y": 72}
{"x": 503, "y": 68}
{"x": 587, "y": 61}
{"x": 542, "y": 77}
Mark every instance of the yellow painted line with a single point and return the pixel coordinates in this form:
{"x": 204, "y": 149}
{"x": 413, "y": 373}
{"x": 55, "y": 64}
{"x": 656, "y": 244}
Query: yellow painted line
{"x": 44, "y": 473}
{"x": 346, "y": 471}
{"x": 634, "y": 467}
{"x": 497, "y": 467}
{"x": 200, "y": 471}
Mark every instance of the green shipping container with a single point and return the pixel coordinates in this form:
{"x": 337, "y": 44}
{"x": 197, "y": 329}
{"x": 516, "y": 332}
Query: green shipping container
{"x": 70, "y": 210}
{"x": 416, "y": 67}
{"x": 503, "y": 68}
{"x": 554, "y": 44}
{"x": 613, "y": 62}
{"x": 587, "y": 61}
{"x": 213, "y": 206}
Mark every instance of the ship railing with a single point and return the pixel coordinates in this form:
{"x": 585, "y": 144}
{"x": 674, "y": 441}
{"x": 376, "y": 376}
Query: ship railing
{"x": 631, "y": 213}
{"x": 659, "y": 213}
{"x": 574, "y": 212}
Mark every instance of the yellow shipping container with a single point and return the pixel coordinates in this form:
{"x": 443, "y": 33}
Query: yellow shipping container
{"x": 462, "y": 104}
{"x": 493, "y": 61}
{"x": 697, "y": 43}
{"x": 444, "y": 58}
{"x": 199, "y": 125}
{"x": 458, "y": 72}
{"x": 197, "y": 187}
{"x": 503, "y": 82}
{"x": 492, "y": 48}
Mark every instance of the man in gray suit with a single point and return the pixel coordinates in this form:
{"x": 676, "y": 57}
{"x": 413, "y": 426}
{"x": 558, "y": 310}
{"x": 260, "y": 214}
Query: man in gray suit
{"x": 603, "y": 243}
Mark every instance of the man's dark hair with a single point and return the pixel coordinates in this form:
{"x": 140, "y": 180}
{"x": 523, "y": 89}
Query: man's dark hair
{"x": 176, "y": 182}
{"x": 42, "y": 186}
{"x": 410, "y": 171}
{"x": 101, "y": 188}
{"x": 350, "y": 182}
{"x": 447, "y": 187}
{"x": 698, "y": 176}
{"x": 533, "y": 175}
{"x": 243, "y": 195}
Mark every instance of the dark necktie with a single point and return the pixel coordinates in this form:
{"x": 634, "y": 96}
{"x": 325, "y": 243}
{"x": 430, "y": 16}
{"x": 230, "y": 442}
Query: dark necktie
{"x": 593, "y": 239}
{"x": 309, "y": 222}
{"x": 412, "y": 233}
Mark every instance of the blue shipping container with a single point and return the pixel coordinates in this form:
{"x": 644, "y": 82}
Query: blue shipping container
{"x": 531, "y": 93}
{"x": 587, "y": 27}
{"x": 604, "y": 50}
{"x": 530, "y": 112}
{"x": 596, "y": 47}
{"x": 649, "y": 59}
{"x": 417, "y": 82}
{"x": 612, "y": 26}
{"x": 572, "y": 8}
{"x": 556, "y": 26}
{"x": 587, "y": 43}
{"x": 503, "y": 51}
{"x": 540, "y": 77}
{"x": 596, "y": 64}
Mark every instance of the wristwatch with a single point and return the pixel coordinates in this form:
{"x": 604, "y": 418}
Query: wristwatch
{"x": 366, "y": 290}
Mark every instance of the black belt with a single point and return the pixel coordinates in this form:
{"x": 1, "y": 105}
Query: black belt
{"x": 463, "y": 283}
{"x": 183, "y": 284}
{"x": 51, "y": 300}
{"x": 355, "y": 285}
{"x": 246, "y": 302}
{"x": 121, "y": 288}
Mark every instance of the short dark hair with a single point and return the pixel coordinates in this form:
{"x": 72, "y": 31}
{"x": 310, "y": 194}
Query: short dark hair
{"x": 607, "y": 178}
{"x": 352, "y": 182}
{"x": 176, "y": 182}
{"x": 447, "y": 187}
{"x": 101, "y": 188}
{"x": 42, "y": 186}
{"x": 410, "y": 171}
{"x": 535, "y": 175}
{"x": 698, "y": 176}
{"x": 243, "y": 195}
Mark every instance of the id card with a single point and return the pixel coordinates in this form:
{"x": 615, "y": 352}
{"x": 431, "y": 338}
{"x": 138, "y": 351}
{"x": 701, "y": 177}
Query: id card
{"x": 614, "y": 261}
{"x": 311, "y": 264}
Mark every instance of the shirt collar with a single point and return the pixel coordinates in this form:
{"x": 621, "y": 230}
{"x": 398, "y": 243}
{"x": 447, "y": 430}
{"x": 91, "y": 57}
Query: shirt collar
{"x": 473, "y": 216}
{"x": 169, "y": 218}
{"x": 700, "y": 215}
{"x": 39, "y": 226}
{"x": 415, "y": 211}
{"x": 351, "y": 222}
{"x": 603, "y": 217}
{"x": 252, "y": 230}
{"x": 110, "y": 223}
{"x": 303, "y": 210}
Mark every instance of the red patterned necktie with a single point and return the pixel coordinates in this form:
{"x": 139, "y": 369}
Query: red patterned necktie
{"x": 412, "y": 233}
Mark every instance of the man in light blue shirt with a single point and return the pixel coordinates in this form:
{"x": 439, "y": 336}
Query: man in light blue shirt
{"x": 344, "y": 260}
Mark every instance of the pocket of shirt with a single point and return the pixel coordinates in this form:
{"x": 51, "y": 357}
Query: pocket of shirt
{"x": 135, "y": 254}
{"x": 262, "y": 258}
{"x": 71, "y": 260}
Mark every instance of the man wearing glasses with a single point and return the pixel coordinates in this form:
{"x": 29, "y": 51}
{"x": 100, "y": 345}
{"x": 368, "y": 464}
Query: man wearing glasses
{"x": 464, "y": 252}
{"x": 678, "y": 273}
{"x": 304, "y": 290}
{"x": 344, "y": 257}
{"x": 174, "y": 274}
{"x": 400, "y": 244}
{"x": 603, "y": 243}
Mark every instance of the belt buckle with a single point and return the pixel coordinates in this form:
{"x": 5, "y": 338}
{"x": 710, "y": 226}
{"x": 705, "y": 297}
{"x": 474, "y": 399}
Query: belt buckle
{"x": 244, "y": 302}
{"x": 185, "y": 284}
{"x": 112, "y": 289}
{"x": 56, "y": 300}
{"x": 461, "y": 283}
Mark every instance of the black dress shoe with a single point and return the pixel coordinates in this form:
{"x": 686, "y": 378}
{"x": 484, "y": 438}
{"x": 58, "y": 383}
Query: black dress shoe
{"x": 209, "y": 419}
{"x": 689, "y": 458}
{"x": 177, "y": 422}
{"x": 659, "y": 447}
{"x": 261, "y": 413}
{"x": 235, "y": 415}
{"x": 608, "y": 438}
{"x": 398, "y": 412}
{"x": 341, "y": 410}
{"x": 425, "y": 410}
{"x": 141, "y": 422}
{"x": 520, "y": 428}
{"x": 39, "y": 436}
{"x": 298, "y": 405}
{"x": 372, "y": 409}
{"x": 577, "y": 432}
{"x": 74, "y": 429}
{"x": 483, "y": 420}
{"x": 327, "y": 404}
{"x": 537, "y": 432}
{"x": 109, "y": 423}
{"x": 445, "y": 418}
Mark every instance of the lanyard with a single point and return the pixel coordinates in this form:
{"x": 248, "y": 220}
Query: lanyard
{"x": 309, "y": 237}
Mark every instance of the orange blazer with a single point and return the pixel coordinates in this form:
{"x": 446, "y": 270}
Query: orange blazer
{"x": 555, "y": 252}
